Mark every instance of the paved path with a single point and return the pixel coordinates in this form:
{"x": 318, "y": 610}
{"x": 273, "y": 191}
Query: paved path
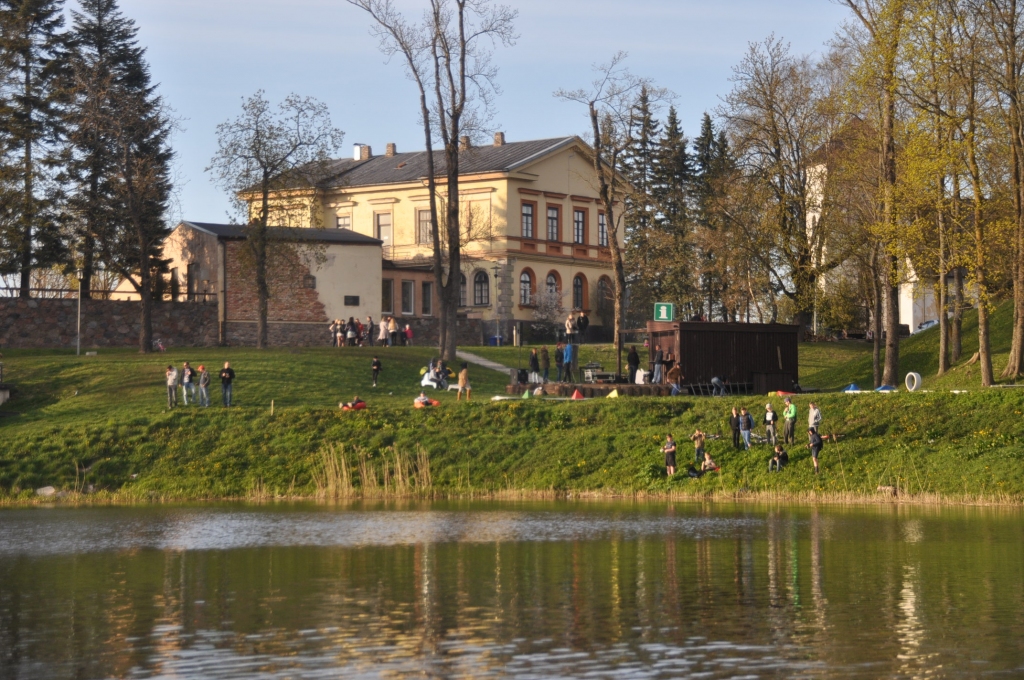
{"x": 480, "y": 361}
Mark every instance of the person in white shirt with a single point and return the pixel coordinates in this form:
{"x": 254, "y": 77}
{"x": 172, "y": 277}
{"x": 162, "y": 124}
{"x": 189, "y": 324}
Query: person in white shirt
{"x": 172, "y": 387}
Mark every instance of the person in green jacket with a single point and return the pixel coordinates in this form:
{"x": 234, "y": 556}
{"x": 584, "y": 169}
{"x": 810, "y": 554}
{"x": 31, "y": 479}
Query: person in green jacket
{"x": 789, "y": 415}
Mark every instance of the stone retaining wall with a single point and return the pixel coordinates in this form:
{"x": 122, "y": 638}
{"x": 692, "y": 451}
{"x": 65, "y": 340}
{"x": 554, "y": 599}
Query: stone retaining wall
{"x": 49, "y": 324}
{"x": 44, "y": 323}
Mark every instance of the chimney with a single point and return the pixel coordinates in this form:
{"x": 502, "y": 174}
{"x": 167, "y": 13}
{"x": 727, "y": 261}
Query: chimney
{"x": 365, "y": 152}
{"x": 499, "y": 139}
{"x": 357, "y": 151}
{"x": 392, "y": 149}
{"x": 464, "y": 143}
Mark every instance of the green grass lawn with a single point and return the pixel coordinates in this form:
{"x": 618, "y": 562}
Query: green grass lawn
{"x": 103, "y": 421}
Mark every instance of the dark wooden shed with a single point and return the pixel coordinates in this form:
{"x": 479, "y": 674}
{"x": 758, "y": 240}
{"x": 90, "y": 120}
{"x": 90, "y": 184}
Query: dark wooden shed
{"x": 750, "y": 356}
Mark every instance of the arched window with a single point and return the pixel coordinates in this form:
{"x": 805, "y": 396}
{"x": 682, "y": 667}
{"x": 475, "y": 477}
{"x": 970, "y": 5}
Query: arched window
{"x": 525, "y": 288}
{"x": 481, "y": 289}
{"x": 462, "y": 290}
{"x": 578, "y": 292}
{"x": 551, "y": 285}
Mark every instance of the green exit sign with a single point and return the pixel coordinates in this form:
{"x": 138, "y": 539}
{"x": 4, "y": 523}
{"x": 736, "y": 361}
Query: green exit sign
{"x": 664, "y": 311}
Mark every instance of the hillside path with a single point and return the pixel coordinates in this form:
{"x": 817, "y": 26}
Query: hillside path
{"x": 480, "y": 361}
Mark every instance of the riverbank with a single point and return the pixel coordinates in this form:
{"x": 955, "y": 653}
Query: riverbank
{"x": 101, "y": 424}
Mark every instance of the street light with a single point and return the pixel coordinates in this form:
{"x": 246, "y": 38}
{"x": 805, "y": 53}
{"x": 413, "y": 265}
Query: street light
{"x": 497, "y": 314}
{"x": 79, "y": 274}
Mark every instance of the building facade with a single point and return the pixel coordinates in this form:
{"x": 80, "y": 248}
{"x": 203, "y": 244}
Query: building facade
{"x": 535, "y": 238}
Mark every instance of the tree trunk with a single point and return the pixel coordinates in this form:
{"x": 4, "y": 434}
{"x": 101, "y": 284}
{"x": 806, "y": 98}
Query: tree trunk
{"x": 876, "y": 320}
{"x": 28, "y": 218}
{"x": 890, "y": 374}
{"x": 891, "y": 297}
{"x": 980, "y": 276}
{"x": 941, "y": 283}
{"x": 956, "y": 327}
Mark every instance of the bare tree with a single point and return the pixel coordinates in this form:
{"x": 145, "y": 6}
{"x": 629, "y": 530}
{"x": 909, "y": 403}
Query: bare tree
{"x": 448, "y": 56}
{"x": 611, "y": 102}
{"x": 268, "y": 150}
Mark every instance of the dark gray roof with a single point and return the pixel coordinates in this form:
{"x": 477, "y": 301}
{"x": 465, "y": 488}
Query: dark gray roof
{"x": 410, "y": 167}
{"x": 237, "y": 231}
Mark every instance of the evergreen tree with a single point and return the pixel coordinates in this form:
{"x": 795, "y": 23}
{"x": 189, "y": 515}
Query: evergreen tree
{"x": 104, "y": 58}
{"x": 673, "y": 175}
{"x": 31, "y": 50}
{"x": 640, "y": 210}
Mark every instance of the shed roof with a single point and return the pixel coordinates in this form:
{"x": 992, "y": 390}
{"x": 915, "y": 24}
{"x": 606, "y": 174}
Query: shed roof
{"x": 231, "y": 232}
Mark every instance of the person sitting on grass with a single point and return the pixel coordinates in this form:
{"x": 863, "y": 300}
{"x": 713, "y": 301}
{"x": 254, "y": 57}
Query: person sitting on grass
{"x": 356, "y": 404}
{"x": 694, "y": 473}
{"x": 709, "y": 465}
{"x": 780, "y": 459}
{"x": 423, "y": 401}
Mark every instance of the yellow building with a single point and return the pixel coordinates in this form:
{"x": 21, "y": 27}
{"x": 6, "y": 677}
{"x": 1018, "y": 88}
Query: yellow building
{"x": 534, "y": 232}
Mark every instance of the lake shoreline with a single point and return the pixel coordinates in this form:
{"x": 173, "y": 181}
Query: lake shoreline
{"x": 806, "y": 498}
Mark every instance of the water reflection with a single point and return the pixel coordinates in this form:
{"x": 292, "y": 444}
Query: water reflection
{"x": 529, "y": 591}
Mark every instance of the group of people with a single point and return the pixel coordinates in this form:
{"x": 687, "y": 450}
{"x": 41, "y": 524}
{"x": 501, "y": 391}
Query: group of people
{"x": 576, "y": 327}
{"x": 540, "y": 363}
{"x": 354, "y": 333}
{"x": 195, "y": 384}
{"x": 741, "y": 422}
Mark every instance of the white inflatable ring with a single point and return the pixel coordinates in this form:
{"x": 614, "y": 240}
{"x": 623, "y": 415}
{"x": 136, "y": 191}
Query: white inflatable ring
{"x": 913, "y": 381}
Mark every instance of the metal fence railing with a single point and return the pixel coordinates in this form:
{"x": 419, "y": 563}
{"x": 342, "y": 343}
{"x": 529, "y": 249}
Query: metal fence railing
{"x": 72, "y": 294}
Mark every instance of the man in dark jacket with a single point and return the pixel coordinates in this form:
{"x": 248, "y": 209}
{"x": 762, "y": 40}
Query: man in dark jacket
{"x": 545, "y": 363}
{"x": 734, "y": 425}
{"x": 814, "y": 445}
{"x": 560, "y": 360}
{"x": 659, "y": 362}
{"x": 633, "y": 362}
{"x": 582, "y": 323}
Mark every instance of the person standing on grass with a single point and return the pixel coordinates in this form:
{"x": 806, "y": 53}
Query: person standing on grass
{"x": 188, "y": 385}
{"x": 375, "y": 368}
{"x": 534, "y": 366}
{"x": 669, "y": 449}
{"x": 698, "y": 439}
{"x": 408, "y": 335}
{"x": 204, "y": 386}
{"x": 746, "y": 425}
{"x": 370, "y": 329}
{"x": 570, "y": 329}
{"x": 560, "y": 360}
{"x": 582, "y": 324}
{"x": 392, "y": 332}
{"x": 734, "y": 425}
{"x": 813, "y": 417}
{"x": 633, "y": 364}
{"x": 814, "y": 444}
{"x": 567, "y": 362}
{"x": 659, "y": 361}
{"x": 545, "y": 363}
{"x": 770, "y": 418}
{"x": 789, "y": 428}
{"x": 227, "y": 377}
{"x": 464, "y": 385}
{"x": 382, "y": 335}
{"x": 333, "y": 328}
{"x": 172, "y": 386}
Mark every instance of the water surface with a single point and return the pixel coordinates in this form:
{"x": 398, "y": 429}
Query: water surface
{"x": 511, "y": 590}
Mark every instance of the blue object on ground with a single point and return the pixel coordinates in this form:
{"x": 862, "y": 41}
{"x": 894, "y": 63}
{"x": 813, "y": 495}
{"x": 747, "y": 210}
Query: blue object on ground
{"x": 852, "y": 387}
{"x": 886, "y": 388}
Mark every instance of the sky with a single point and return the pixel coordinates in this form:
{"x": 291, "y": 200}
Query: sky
{"x": 207, "y": 55}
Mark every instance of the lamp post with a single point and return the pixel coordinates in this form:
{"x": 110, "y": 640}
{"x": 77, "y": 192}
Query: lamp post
{"x": 497, "y": 313}
{"x": 79, "y": 274}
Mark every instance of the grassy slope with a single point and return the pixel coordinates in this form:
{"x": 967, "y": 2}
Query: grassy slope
{"x": 118, "y": 427}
